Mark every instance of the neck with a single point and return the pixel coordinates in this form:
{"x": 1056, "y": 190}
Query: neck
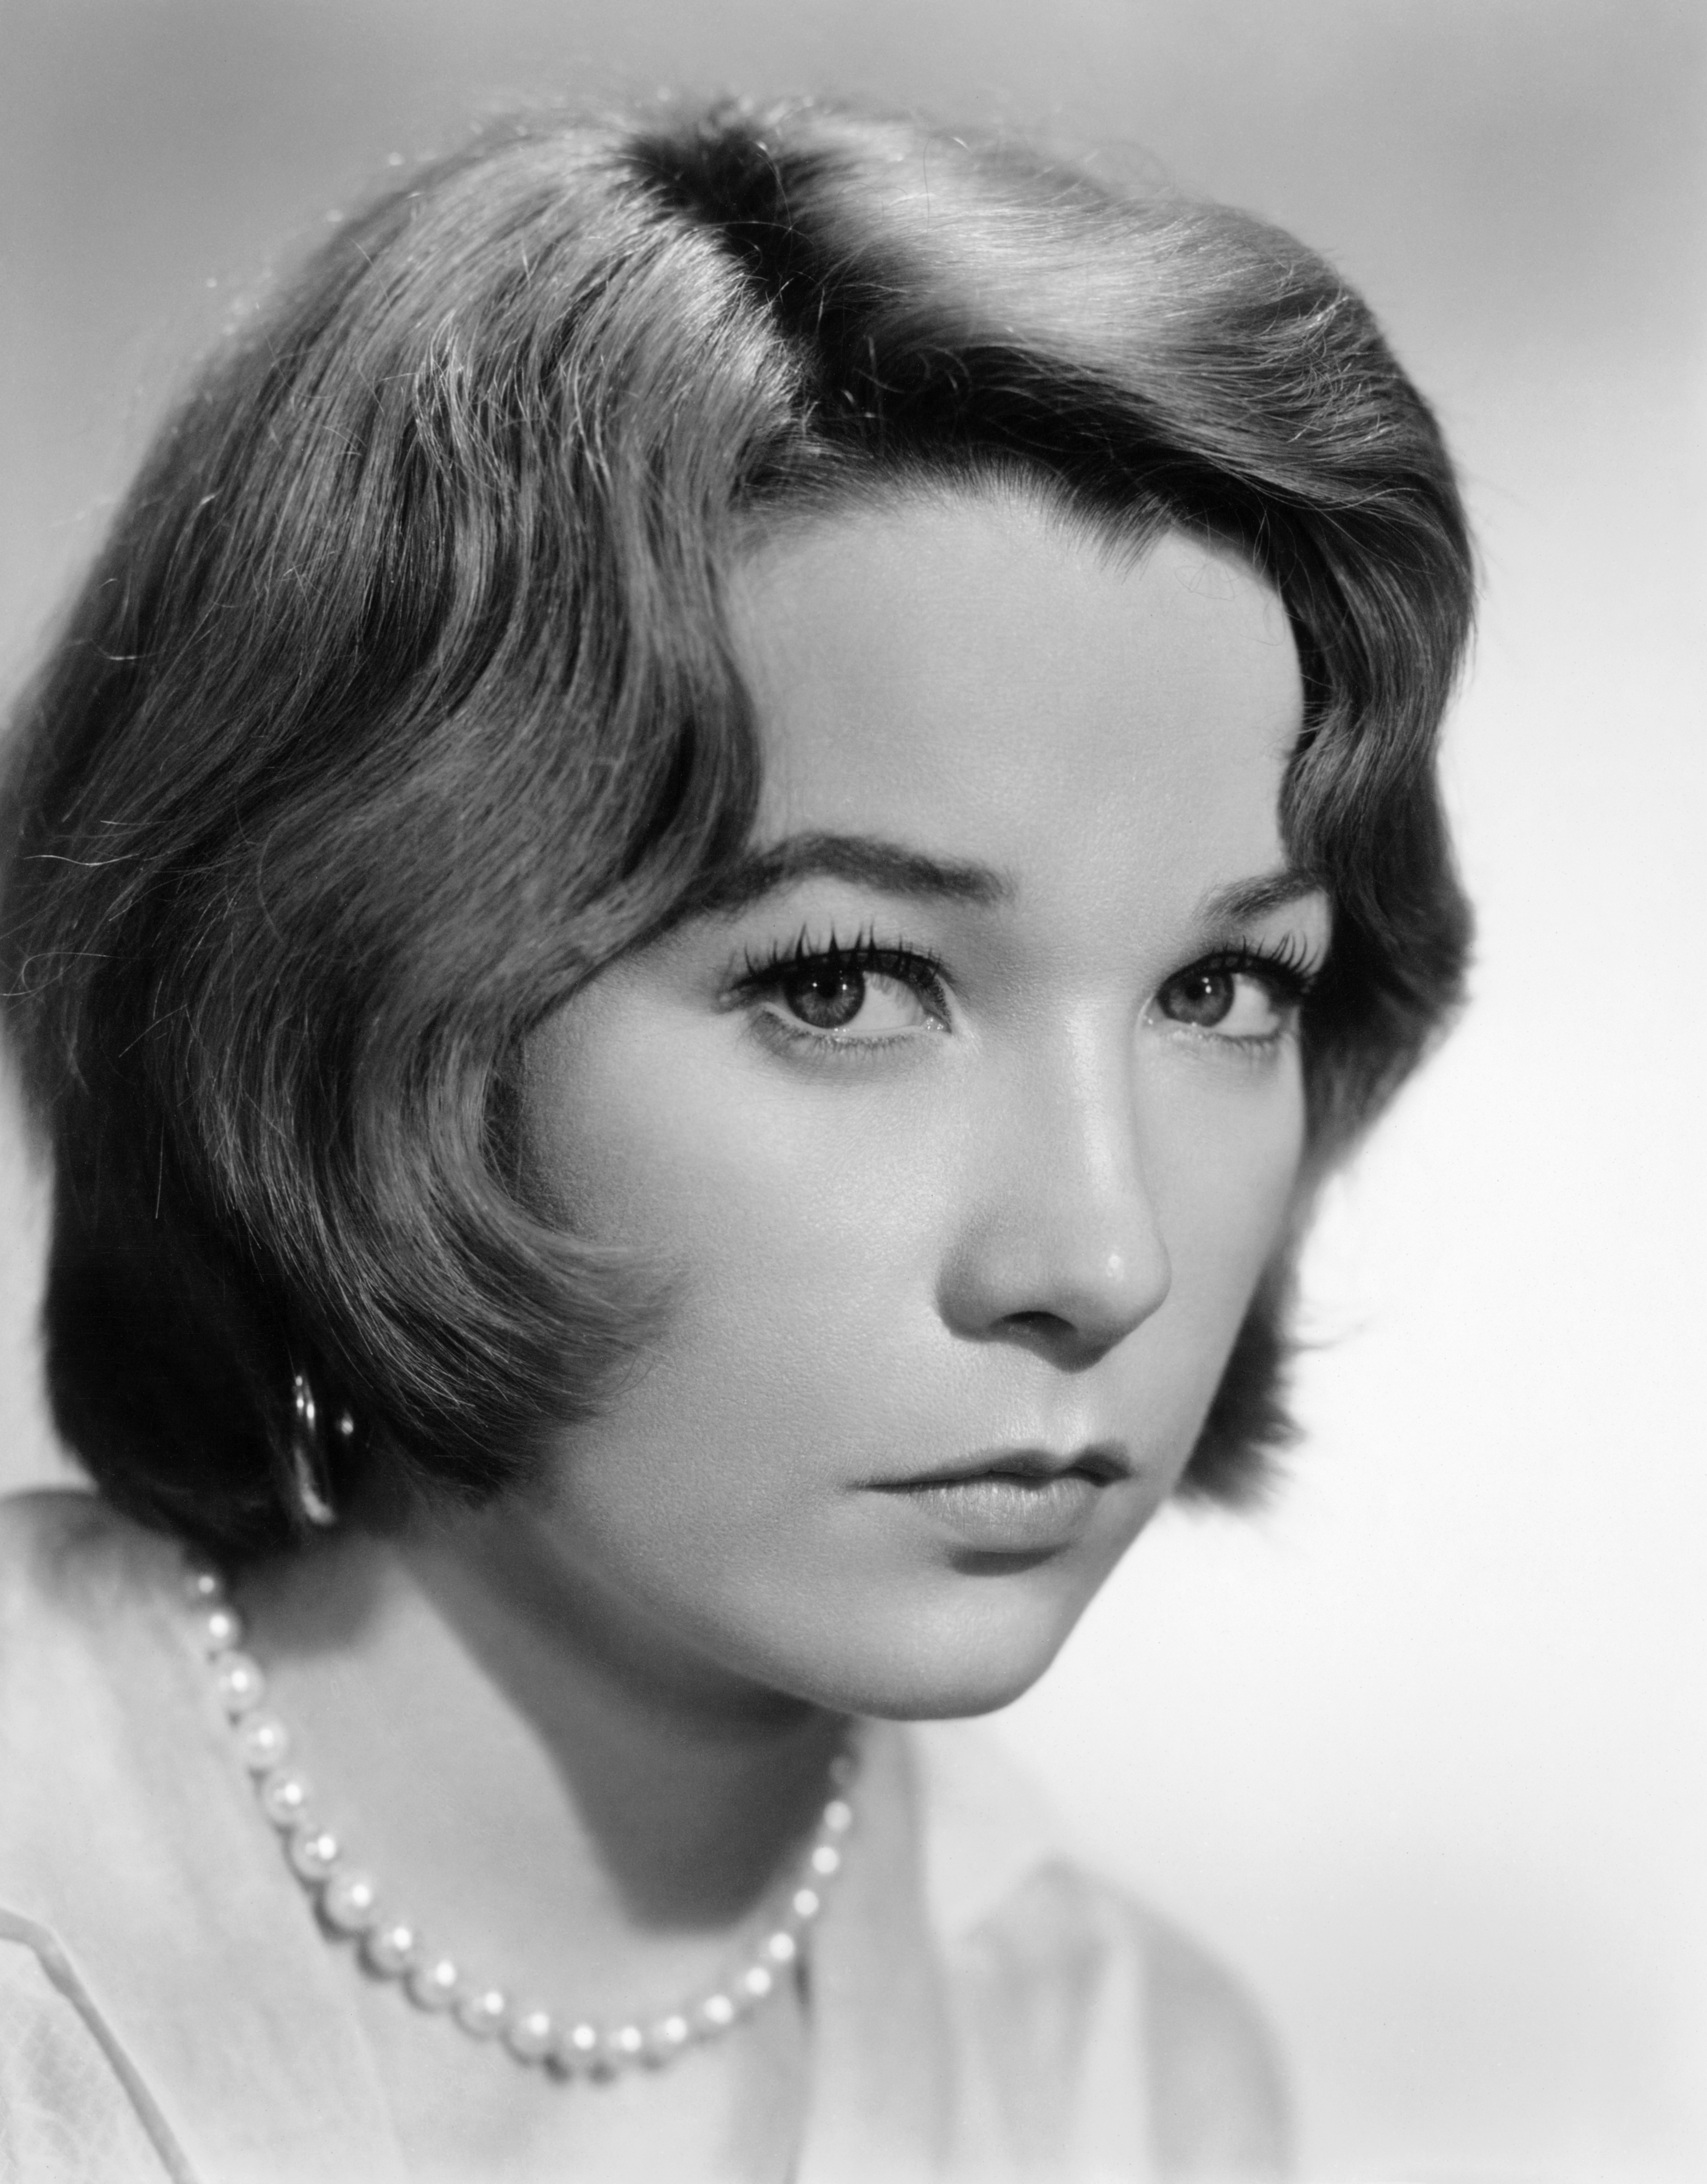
{"x": 527, "y": 1772}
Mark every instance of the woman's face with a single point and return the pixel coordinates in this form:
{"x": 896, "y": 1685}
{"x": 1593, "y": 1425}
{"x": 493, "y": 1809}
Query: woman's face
{"x": 965, "y": 1128}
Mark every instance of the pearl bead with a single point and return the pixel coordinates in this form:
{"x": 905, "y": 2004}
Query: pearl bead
{"x": 716, "y": 2013}
{"x": 757, "y": 1983}
{"x": 805, "y": 1903}
{"x": 391, "y": 1949}
{"x": 628, "y": 2042}
{"x": 284, "y": 1799}
{"x": 826, "y": 1861}
{"x": 781, "y": 1948}
{"x": 349, "y": 1902}
{"x": 262, "y": 1740}
{"x": 222, "y": 1628}
{"x": 434, "y": 1985}
{"x": 204, "y": 1586}
{"x": 313, "y": 1852}
{"x": 239, "y": 1682}
{"x": 577, "y": 2048}
{"x": 530, "y": 2035}
{"x": 837, "y": 1816}
{"x": 482, "y": 2012}
{"x": 669, "y": 2036}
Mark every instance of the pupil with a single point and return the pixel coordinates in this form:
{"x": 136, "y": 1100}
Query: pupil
{"x": 1204, "y": 997}
{"x": 827, "y": 998}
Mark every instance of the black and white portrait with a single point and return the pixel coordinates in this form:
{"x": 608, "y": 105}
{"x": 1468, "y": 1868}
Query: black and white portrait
{"x": 850, "y": 1154}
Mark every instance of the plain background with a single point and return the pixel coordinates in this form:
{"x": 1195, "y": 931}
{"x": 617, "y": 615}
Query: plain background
{"x": 1420, "y": 1751}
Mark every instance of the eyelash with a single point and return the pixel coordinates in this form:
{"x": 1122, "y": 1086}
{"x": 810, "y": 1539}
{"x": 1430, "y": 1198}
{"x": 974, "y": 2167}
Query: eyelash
{"x": 1283, "y": 968}
{"x": 915, "y": 967}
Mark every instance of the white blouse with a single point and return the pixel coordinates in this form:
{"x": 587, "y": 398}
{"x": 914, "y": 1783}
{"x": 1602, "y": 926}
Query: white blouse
{"x": 982, "y": 2008}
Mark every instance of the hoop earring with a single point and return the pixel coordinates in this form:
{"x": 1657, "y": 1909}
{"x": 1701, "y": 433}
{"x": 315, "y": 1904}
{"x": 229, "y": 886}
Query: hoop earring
{"x": 310, "y": 1467}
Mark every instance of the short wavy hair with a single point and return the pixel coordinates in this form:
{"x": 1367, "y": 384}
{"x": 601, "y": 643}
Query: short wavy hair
{"x": 400, "y": 700}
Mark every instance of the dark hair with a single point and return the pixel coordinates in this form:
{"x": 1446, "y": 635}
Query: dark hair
{"x": 399, "y": 701}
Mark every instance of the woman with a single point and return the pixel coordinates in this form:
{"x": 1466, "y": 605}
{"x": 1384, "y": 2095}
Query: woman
{"x": 743, "y": 808}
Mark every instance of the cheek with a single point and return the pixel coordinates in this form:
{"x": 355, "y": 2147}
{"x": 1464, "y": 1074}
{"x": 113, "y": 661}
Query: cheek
{"x": 1223, "y": 1164}
{"x": 783, "y": 1216}
{"x": 1227, "y": 1171}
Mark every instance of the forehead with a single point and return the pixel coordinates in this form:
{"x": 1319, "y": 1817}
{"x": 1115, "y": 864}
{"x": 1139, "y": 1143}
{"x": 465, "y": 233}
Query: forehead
{"x": 976, "y": 678}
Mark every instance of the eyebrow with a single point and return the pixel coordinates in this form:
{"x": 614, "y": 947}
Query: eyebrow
{"x": 1247, "y": 900}
{"x": 865, "y": 861}
{"x": 891, "y": 868}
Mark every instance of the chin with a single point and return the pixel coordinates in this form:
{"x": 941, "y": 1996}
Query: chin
{"x": 978, "y": 1649}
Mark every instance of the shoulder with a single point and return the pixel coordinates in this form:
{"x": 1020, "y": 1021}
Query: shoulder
{"x": 88, "y": 1601}
{"x": 1073, "y": 1949}
{"x": 65, "y": 1555}
{"x": 1087, "y": 1970}
{"x": 72, "y": 2109}
{"x": 1217, "y": 2089}
{"x": 97, "y": 1669}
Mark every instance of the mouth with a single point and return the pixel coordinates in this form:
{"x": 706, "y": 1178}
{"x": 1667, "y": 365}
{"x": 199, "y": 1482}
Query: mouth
{"x": 1008, "y": 1502}
{"x": 1100, "y": 1463}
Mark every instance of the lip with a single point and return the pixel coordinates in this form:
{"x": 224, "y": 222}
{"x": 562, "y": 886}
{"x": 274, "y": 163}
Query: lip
{"x": 1012, "y": 1502}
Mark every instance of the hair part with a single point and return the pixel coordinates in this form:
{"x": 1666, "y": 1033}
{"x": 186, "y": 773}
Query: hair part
{"x": 400, "y": 700}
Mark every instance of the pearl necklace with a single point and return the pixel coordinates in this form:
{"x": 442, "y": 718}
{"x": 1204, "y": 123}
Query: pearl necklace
{"x": 350, "y": 1905}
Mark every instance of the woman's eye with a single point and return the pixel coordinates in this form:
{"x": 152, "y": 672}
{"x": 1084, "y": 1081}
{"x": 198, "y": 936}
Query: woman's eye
{"x": 831, "y": 996}
{"x": 1234, "y": 1003}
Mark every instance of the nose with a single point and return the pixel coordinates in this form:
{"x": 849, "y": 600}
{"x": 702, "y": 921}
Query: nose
{"x": 1059, "y": 1245}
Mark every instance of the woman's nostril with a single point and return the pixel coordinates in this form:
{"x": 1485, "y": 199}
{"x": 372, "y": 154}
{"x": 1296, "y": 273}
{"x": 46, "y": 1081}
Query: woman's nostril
{"x": 1066, "y": 1340}
{"x": 1042, "y": 1323}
